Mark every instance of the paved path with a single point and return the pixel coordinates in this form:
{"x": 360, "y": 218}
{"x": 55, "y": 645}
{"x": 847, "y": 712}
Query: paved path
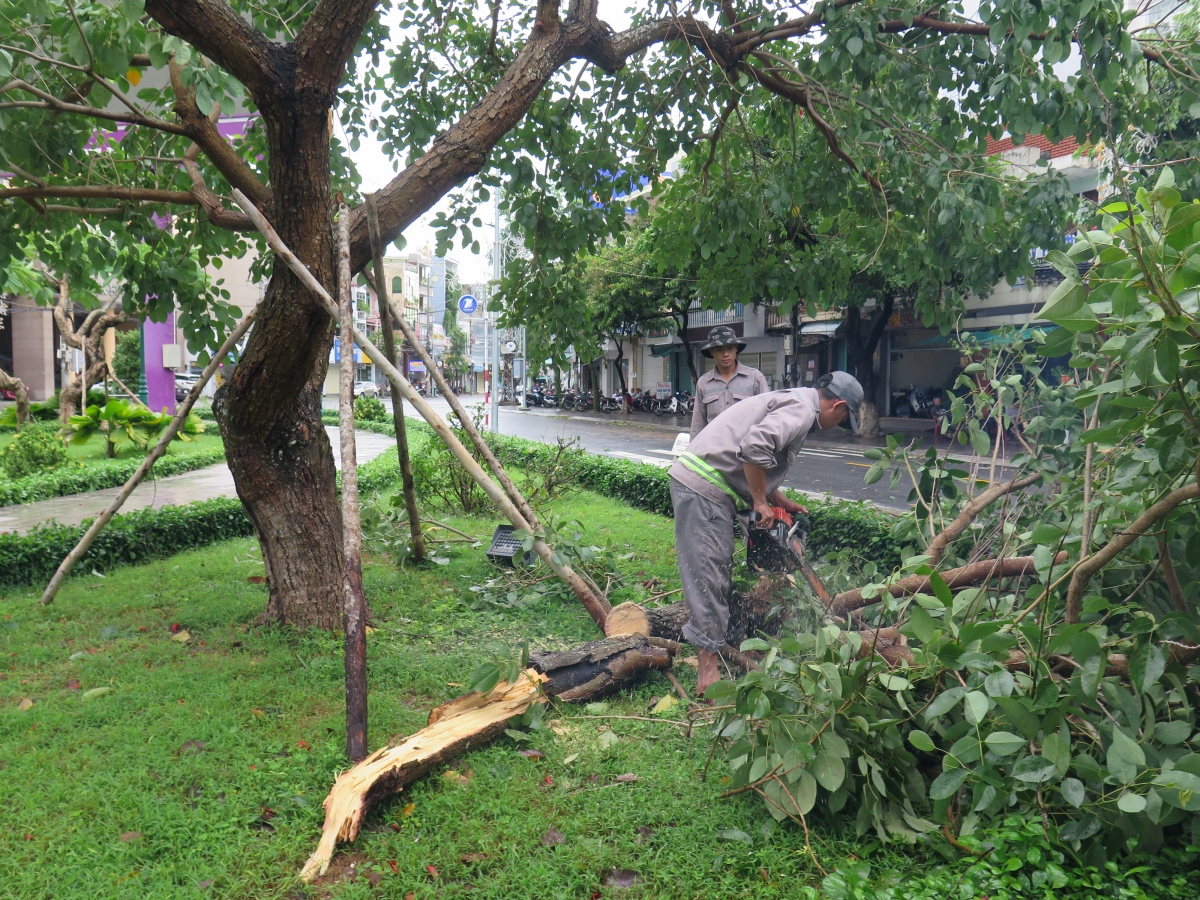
{"x": 202, "y": 484}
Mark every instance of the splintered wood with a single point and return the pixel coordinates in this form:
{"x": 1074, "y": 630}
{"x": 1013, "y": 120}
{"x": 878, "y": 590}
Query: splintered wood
{"x": 465, "y": 722}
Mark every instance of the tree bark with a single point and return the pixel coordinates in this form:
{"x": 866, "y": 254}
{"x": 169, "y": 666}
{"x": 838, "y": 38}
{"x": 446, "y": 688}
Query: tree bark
{"x": 861, "y": 352}
{"x": 599, "y": 668}
{"x": 794, "y": 356}
{"x": 17, "y": 386}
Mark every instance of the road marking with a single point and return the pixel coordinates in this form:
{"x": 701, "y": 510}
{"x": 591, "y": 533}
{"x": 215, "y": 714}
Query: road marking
{"x": 863, "y": 465}
{"x": 636, "y": 457}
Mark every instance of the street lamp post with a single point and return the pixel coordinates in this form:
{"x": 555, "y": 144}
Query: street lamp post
{"x": 495, "y": 417}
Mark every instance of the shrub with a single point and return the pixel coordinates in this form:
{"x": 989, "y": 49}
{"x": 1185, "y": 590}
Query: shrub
{"x": 98, "y": 476}
{"x": 369, "y": 409}
{"x": 35, "y": 449}
{"x": 127, "y": 358}
{"x": 135, "y": 537}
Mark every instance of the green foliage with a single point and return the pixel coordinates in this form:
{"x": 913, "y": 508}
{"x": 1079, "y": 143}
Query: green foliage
{"x": 369, "y": 409}
{"x": 97, "y": 476}
{"x": 35, "y": 449}
{"x": 127, "y": 358}
{"x": 134, "y": 537}
{"x": 122, "y": 422}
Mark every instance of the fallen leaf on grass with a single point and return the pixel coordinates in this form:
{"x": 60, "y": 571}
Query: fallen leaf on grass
{"x": 764, "y": 875}
{"x": 733, "y": 834}
{"x": 394, "y": 827}
{"x": 181, "y": 637}
{"x": 620, "y": 878}
{"x": 96, "y": 692}
{"x": 666, "y": 703}
{"x": 570, "y": 759}
{"x": 374, "y": 878}
{"x": 395, "y": 868}
{"x": 532, "y": 754}
{"x": 256, "y": 579}
{"x": 303, "y": 745}
{"x": 609, "y": 738}
{"x": 408, "y": 808}
{"x": 689, "y": 661}
{"x": 548, "y": 781}
{"x": 25, "y": 704}
{"x": 432, "y": 871}
{"x": 130, "y": 836}
{"x": 596, "y": 709}
{"x": 627, "y": 778}
{"x": 467, "y": 858}
{"x": 460, "y": 778}
{"x": 72, "y": 684}
{"x": 644, "y": 833}
{"x": 552, "y": 838}
{"x": 191, "y": 748}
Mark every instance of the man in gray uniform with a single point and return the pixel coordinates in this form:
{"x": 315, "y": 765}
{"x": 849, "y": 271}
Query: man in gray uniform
{"x": 728, "y": 383}
{"x": 737, "y": 465}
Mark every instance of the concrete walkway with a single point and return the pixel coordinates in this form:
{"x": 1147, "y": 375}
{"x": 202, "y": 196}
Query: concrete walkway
{"x": 202, "y": 484}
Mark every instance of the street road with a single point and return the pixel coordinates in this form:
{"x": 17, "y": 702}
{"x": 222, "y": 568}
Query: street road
{"x": 823, "y": 466}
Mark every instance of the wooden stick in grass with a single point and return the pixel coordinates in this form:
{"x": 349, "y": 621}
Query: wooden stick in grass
{"x": 353, "y": 601}
{"x": 389, "y": 347}
{"x": 596, "y": 607}
{"x": 152, "y": 457}
{"x": 481, "y": 447}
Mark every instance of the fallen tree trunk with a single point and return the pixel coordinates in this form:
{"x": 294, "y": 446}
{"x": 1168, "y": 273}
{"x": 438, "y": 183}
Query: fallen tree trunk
{"x": 465, "y": 722}
{"x": 599, "y": 668}
{"x": 965, "y": 576}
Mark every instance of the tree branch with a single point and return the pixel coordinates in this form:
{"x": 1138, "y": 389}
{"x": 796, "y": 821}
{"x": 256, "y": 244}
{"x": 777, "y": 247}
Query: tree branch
{"x": 1090, "y": 565}
{"x": 326, "y": 43}
{"x": 102, "y": 192}
{"x": 972, "y": 510}
{"x": 213, "y": 28}
{"x": 49, "y": 101}
{"x": 213, "y": 208}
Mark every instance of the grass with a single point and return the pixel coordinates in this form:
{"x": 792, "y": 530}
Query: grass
{"x": 201, "y": 771}
{"x": 93, "y": 450}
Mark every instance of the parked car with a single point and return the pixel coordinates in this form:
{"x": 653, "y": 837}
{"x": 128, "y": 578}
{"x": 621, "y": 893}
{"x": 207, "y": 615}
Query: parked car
{"x": 6, "y": 394}
{"x": 183, "y": 384}
{"x": 365, "y": 389}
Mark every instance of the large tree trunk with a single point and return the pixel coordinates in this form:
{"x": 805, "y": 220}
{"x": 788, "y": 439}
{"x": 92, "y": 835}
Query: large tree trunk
{"x": 269, "y": 412}
{"x": 860, "y": 350}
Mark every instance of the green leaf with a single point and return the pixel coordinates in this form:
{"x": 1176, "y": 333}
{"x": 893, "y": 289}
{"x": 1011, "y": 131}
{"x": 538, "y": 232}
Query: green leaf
{"x": 976, "y": 706}
{"x": 1124, "y": 757}
{"x": 1146, "y": 665}
{"x": 1065, "y": 266}
{"x": 921, "y": 740}
{"x": 999, "y": 684}
{"x": 1033, "y": 769}
{"x": 1004, "y": 743}
{"x": 733, "y": 834}
{"x": 1131, "y": 803}
{"x": 948, "y": 783}
{"x": 805, "y": 793}
{"x": 944, "y": 702}
{"x": 96, "y": 692}
{"x": 829, "y": 770}
{"x": 1179, "y": 789}
{"x": 833, "y": 742}
{"x": 922, "y": 625}
{"x": 854, "y": 45}
{"x": 1073, "y": 791}
{"x": 1171, "y": 733}
{"x": 1166, "y": 357}
{"x": 1067, "y": 299}
{"x": 1081, "y": 320}
{"x": 941, "y": 590}
{"x": 1020, "y": 716}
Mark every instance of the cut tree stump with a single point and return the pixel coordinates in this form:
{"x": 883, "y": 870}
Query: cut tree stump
{"x": 454, "y": 727}
{"x": 627, "y": 618}
{"x": 599, "y": 668}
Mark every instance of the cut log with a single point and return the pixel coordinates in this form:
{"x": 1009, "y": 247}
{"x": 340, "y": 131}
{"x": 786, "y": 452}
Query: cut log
{"x": 599, "y": 668}
{"x": 627, "y": 618}
{"x": 668, "y": 621}
{"x": 454, "y": 727}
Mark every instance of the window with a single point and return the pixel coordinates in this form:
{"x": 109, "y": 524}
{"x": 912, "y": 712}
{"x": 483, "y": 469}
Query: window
{"x": 397, "y": 286}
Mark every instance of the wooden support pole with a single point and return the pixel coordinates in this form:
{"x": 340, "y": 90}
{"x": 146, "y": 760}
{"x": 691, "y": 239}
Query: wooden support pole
{"x": 354, "y": 603}
{"x": 596, "y": 606}
{"x": 389, "y": 347}
{"x": 152, "y": 457}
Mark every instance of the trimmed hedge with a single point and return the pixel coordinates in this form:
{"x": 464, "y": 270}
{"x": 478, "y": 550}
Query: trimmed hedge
{"x": 135, "y": 537}
{"x": 97, "y": 476}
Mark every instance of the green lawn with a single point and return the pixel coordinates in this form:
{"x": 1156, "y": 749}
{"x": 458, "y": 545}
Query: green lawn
{"x": 93, "y": 450}
{"x": 200, "y": 771}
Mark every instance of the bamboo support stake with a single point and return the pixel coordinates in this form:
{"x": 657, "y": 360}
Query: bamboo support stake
{"x": 152, "y": 457}
{"x": 595, "y": 606}
{"x": 389, "y": 347}
{"x": 353, "y": 602}
{"x": 456, "y": 406}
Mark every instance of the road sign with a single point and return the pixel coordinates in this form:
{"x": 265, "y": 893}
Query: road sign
{"x": 467, "y": 304}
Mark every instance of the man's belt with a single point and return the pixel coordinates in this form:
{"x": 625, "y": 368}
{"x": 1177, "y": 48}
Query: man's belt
{"x": 711, "y": 475}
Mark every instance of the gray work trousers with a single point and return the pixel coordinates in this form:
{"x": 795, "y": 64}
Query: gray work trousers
{"x": 704, "y": 549}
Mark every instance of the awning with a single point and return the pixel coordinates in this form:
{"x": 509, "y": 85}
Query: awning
{"x": 819, "y": 327}
{"x": 984, "y": 337}
{"x": 665, "y": 349}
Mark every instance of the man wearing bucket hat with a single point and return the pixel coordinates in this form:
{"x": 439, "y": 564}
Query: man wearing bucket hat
{"x": 728, "y": 383}
{"x": 734, "y": 467}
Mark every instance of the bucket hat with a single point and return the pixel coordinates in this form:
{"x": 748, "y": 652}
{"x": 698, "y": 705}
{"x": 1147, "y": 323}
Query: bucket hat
{"x": 722, "y": 336}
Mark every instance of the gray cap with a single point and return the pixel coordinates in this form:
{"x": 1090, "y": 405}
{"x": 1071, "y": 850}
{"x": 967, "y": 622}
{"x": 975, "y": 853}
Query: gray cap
{"x": 844, "y": 386}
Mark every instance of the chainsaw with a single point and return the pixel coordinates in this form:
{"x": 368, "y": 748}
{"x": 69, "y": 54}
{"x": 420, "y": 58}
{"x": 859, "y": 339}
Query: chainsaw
{"x": 780, "y": 549}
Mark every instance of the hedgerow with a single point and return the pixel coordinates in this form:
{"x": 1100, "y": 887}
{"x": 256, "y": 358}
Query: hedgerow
{"x": 100, "y": 475}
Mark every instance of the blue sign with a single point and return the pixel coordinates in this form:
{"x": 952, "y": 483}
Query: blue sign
{"x": 467, "y": 304}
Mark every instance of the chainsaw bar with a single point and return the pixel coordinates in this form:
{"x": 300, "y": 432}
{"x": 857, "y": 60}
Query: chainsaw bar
{"x": 780, "y": 550}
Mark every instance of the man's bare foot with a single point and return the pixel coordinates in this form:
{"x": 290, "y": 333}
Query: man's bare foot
{"x": 707, "y": 671}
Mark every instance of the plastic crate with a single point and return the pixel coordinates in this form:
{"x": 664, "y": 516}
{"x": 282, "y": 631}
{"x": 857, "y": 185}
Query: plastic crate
{"x": 506, "y": 547}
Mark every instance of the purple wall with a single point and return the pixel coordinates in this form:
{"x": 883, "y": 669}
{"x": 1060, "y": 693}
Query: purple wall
{"x": 160, "y": 382}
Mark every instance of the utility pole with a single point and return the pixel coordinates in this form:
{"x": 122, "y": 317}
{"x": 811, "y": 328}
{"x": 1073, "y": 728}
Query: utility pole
{"x": 495, "y": 417}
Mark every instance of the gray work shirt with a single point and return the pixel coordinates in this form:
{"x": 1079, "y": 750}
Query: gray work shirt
{"x": 766, "y": 431}
{"x": 714, "y": 394}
